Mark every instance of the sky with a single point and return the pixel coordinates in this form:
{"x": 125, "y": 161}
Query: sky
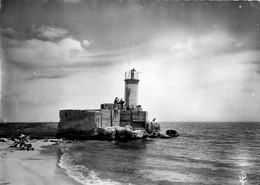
{"x": 198, "y": 60}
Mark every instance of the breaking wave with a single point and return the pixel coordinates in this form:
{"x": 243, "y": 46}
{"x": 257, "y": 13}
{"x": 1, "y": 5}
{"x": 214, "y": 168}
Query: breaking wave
{"x": 81, "y": 173}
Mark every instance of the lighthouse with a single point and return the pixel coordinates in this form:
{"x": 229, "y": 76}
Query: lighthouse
{"x": 131, "y": 88}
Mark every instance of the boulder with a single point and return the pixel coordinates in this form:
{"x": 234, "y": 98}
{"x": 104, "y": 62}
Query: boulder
{"x": 139, "y": 134}
{"x": 120, "y": 133}
{"x": 172, "y": 133}
{"x": 107, "y": 133}
{"x": 124, "y": 133}
{"x": 145, "y": 133}
{"x": 129, "y": 134}
{"x": 129, "y": 127}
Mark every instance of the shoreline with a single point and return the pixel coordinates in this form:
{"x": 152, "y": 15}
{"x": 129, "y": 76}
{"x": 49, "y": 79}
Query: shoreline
{"x": 38, "y": 167}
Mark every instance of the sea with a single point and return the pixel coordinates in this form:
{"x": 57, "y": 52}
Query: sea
{"x": 204, "y": 153}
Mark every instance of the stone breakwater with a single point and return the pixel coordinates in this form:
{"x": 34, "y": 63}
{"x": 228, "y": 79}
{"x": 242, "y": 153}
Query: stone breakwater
{"x": 33, "y": 129}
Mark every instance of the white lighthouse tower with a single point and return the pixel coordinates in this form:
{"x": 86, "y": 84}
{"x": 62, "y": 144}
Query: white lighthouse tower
{"x": 131, "y": 88}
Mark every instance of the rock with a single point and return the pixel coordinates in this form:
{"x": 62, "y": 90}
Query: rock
{"x": 172, "y": 133}
{"x": 107, "y": 133}
{"x": 124, "y": 133}
{"x": 139, "y": 134}
{"x": 129, "y": 134}
{"x": 145, "y": 133}
{"x": 155, "y": 133}
{"x": 164, "y": 136}
{"x": 120, "y": 133}
{"x": 129, "y": 127}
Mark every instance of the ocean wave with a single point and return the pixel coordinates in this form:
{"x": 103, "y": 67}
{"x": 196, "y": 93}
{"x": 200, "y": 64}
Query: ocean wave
{"x": 81, "y": 173}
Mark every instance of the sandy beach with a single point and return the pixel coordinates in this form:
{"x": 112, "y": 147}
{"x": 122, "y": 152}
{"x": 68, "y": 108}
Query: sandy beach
{"x": 38, "y": 167}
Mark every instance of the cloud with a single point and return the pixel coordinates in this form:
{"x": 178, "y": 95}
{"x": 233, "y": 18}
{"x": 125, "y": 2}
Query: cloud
{"x": 85, "y": 43}
{"x": 36, "y": 52}
{"x": 51, "y": 33}
{"x": 68, "y": 53}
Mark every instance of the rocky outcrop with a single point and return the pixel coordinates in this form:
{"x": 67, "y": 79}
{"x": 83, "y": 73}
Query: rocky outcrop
{"x": 120, "y": 133}
{"x": 81, "y": 130}
{"x": 154, "y": 131}
{"x": 107, "y": 133}
{"x": 125, "y": 134}
{"x": 172, "y": 133}
{"x": 140, "y": 134}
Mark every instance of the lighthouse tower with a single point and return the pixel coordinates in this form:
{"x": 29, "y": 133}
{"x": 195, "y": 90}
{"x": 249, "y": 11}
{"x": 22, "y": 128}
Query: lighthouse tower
{"x": 131, "y": 88}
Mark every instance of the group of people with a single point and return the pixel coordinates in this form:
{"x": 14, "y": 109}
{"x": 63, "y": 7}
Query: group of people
{"x": 22, "y": 142}
{"x": 120, "y": 105}
{"x": 137, "y": 108}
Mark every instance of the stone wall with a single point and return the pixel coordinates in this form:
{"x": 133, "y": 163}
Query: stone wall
{"x": 78, "y": 124}
{"x": 136, "y": 119}
{"x": 106, "y": 119}
{"x": 115, "y": 118}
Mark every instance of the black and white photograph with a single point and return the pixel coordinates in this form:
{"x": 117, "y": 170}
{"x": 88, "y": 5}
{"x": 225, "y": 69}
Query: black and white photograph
{"x": 129, "y": 92}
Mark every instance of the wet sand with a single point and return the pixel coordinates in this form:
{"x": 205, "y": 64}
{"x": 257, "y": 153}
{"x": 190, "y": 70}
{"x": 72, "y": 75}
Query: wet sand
{"x": 38, "y": 167}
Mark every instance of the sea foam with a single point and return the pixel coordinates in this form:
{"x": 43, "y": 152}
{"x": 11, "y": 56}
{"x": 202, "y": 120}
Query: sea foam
{"x": 81, "y": 173}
